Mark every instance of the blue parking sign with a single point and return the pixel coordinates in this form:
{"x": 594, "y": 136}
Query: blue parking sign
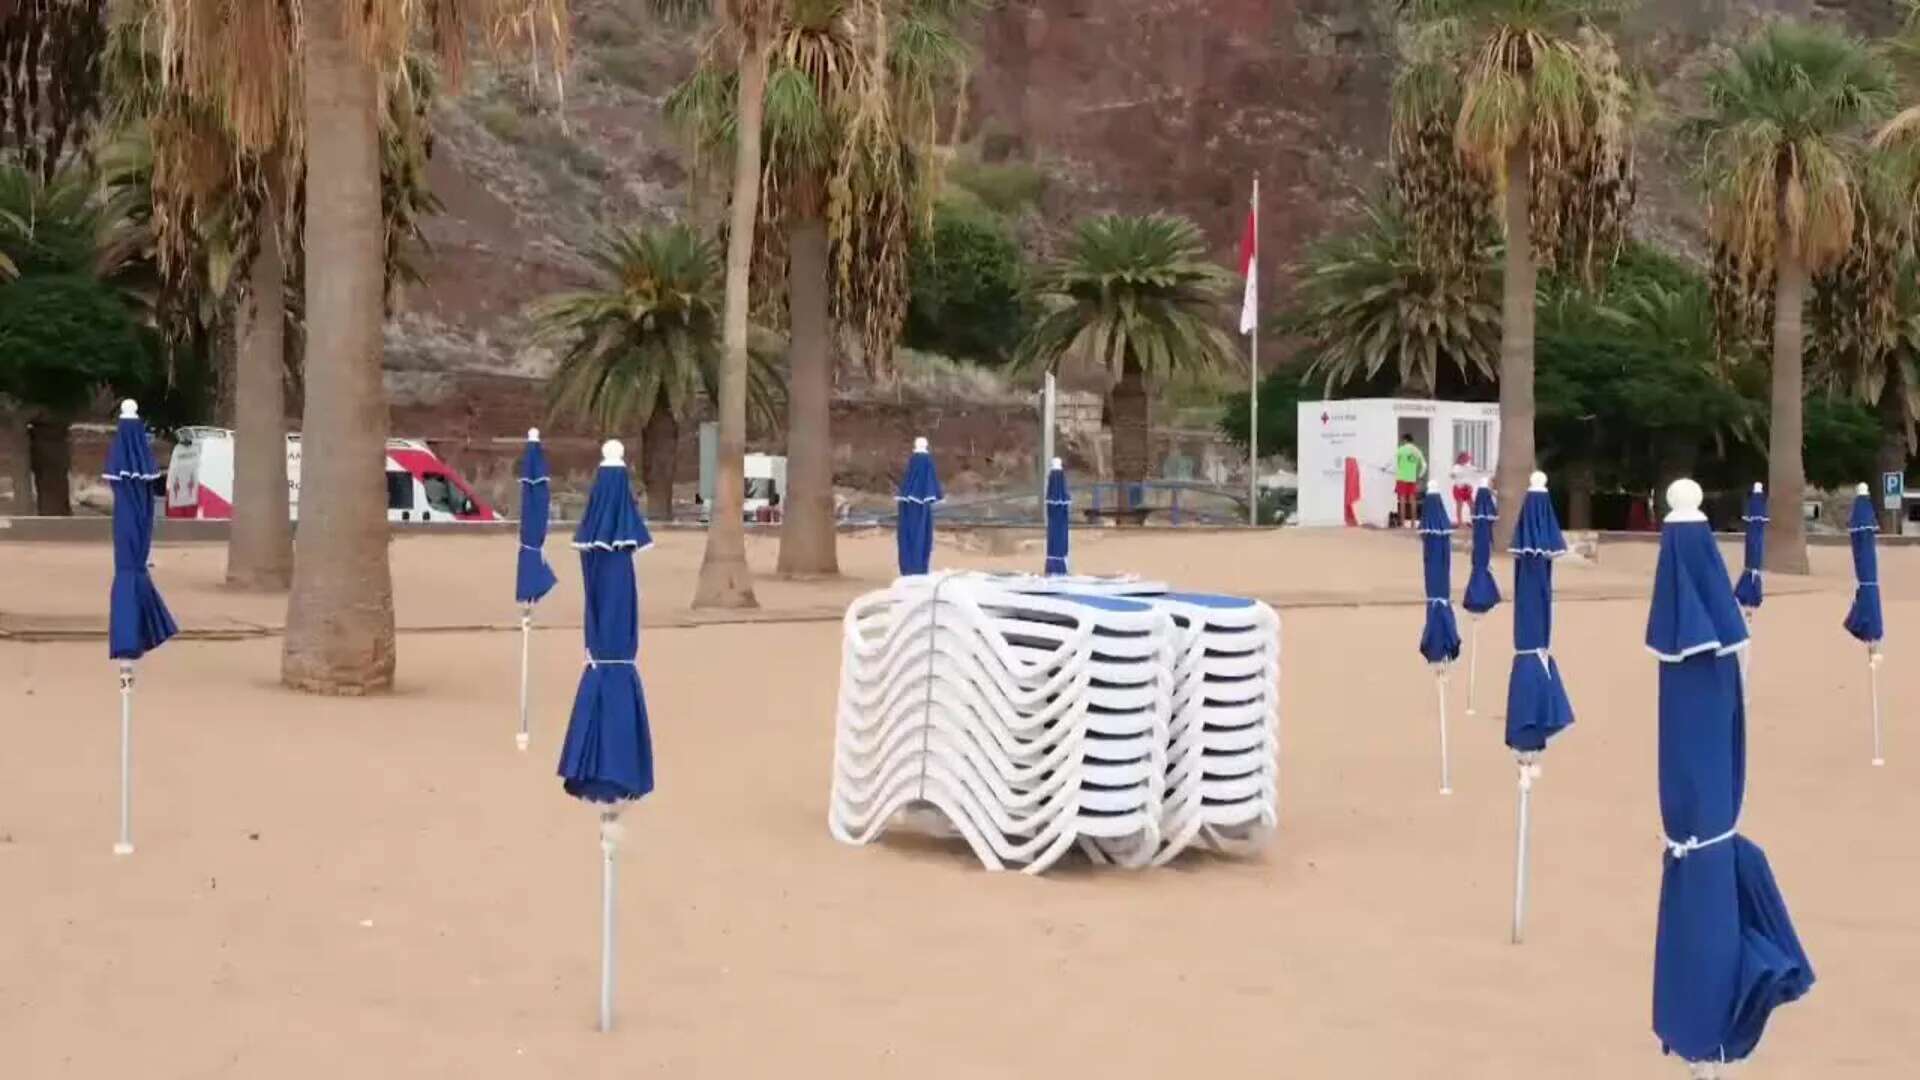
{"x": 1893, "y": 489}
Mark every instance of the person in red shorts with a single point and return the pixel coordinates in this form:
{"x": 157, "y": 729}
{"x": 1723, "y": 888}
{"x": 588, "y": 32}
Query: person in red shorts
{"x": 1408, "y": 466}
{"x": 1463, "y": 481}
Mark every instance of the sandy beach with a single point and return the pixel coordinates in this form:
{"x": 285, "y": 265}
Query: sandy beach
{"x": 387, "y": 888}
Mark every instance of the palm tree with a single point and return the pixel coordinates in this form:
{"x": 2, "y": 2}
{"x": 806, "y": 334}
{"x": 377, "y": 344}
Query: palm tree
{"x": 1782, "y": 170}
{"x": 316, "y": 68}
{"x": 1138, "y": 296}
{"x": 643, "y": 345}
{"x": 846, "y": 137}
{"x": 1368, "y": 300}
{"x": 1538, "y": 110}
{"x": 743, "y": 35}
{"x": 77, "y": 303}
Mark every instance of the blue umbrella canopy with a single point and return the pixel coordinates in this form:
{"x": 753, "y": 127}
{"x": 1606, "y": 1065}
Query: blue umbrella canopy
{"x": 1483, "y": 594}
{"x": 533, "y": 578}
{"x": 1863, "y": 619}
{"x": 1725, "y": 954}
{"x": 137, "y": 619}
{"x": 1750, "y": 591}
{"x": 1537, "y": 705}
{"x": 919, "y": 490}
{"x": 608, "y": 753}
{"x": 1059, "y": 510}
{"x": 1440, "y": 637}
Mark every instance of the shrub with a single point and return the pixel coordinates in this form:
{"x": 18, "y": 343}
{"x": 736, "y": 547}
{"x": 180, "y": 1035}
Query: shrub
{"x": 967, "y": 278}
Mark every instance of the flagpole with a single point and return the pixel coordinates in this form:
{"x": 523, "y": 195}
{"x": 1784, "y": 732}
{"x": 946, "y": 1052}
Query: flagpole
{"x": 1253, "y": 397}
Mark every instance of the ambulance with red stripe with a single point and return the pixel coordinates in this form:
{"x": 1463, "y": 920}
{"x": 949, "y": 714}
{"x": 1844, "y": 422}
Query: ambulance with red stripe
{"x": 420, "y": 487}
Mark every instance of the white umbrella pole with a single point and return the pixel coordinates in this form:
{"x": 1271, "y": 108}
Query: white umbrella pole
{"x": 1528, "y": 770}
{"x": 1440, "y": 687}
{"x": 609, "y": 839}
{"x": 1473, "y": 663}
{"x": 125, "y": 845}
{"x": 526, "y": 636}
{"x": 1873, "y": 680}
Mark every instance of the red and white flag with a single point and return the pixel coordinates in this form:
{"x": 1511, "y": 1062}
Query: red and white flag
{"x": 1250, "y": 266}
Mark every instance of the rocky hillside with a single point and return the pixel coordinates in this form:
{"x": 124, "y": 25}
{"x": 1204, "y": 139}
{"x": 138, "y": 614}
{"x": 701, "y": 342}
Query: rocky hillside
{"x": 1110, "y": 104}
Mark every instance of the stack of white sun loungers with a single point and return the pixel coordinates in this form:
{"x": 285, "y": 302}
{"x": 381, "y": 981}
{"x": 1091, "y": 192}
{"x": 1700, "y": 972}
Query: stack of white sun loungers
{"x": 1035, "y": 715}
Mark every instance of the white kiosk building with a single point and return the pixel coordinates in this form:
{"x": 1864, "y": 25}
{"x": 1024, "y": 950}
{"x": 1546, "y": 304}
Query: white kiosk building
{"x": 1366, "y": 432}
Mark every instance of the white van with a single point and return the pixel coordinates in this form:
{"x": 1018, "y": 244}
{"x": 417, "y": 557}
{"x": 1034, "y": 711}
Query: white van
{"x": 420, "y": 487}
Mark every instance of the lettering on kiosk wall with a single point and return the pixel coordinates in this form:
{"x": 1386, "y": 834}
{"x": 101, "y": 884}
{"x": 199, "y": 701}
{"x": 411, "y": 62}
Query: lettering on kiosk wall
{"x": 1339, "y": 435}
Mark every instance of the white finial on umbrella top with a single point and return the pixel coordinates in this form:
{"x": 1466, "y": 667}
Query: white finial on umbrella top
{"x": 533, "y": 434}
{"x": 1433, "y": 486}
{"x": 612, "y": 452}
{"x": 1537, "y": 482}
{"x": 130, "y": 410}
{"x": 1683, "y": 499}
{"x": 920, "y": 445}
{"x": 1759, "y": 488}
{"x": 1056, "y": 464}
{"x": 1863, "y": 490}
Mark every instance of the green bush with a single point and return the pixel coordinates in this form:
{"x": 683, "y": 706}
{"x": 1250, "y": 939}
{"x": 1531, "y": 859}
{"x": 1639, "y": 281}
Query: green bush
{"x": 62, "y": 336}
{"x": 967, "y": 278}
{"x": 1006, "y": 188}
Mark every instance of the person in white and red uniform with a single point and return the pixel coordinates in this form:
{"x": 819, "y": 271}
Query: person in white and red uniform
{"x": 1463, "y": 478}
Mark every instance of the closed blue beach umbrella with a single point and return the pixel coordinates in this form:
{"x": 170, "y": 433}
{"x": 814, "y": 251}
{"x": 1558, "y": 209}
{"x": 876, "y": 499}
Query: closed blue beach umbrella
{"x": 1537, "y": 705}
{"x": 1059, "y": 511}
{"x": 1751, "y": 591}
{"x": 1725, "y": 954}
{"x": 1440, "y": 635}
{"x": 1483, "y": 593}
{"x": 919, "y": 491}
{"x": 607, "y": 758}
{"x": 1864, "y": 617}
{"x": 137, "y": 619}
{"x": 532, "y": 577}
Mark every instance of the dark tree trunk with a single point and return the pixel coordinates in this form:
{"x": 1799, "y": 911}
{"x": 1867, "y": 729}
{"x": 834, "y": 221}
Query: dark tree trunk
{"x": 1516, "y": 346}
{"x": 1580, "y": 484}
{"x": 808, "y": 543}
{"x": 659, "y": 454}
{"x": 1132, "y": 429}
{"x": 1892, "y": 455}
{"x": 1786, "y": 469}
{"x": 260, "y": 543}
{"x": 50, "y": 451}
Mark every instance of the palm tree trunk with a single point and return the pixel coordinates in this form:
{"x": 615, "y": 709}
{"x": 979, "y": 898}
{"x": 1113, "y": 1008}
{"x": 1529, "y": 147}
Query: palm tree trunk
{"x": 1892, "y": 457}
{"x": 50, "y": 456}
{"x": 659, "y": 457}
{"x": 1580, "y": 485}
{"x": 725, "y": 580}
{"x": 1132, "y": 429}
{"x": 1786, "y": 473}
{"x": 340, "y": 616}
{"x": 807, "y": 537}
{"x": 226, "y": 359}
{"x": 1516, "y": 346}
{"x": 260, "y": 547}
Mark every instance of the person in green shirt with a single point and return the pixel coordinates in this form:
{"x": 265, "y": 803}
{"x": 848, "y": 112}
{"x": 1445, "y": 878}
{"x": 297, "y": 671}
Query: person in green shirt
{"x": 1409, "y": 464}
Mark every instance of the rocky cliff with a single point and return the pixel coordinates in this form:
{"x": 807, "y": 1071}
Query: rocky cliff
{"x": 1121, "y": 104}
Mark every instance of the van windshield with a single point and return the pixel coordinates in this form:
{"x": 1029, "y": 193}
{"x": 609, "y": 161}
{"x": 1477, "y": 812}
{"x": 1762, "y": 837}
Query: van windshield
{"x": 444, "y": 497}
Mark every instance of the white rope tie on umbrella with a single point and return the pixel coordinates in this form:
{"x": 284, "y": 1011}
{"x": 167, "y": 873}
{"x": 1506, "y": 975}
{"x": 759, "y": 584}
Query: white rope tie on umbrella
{"x": 1681, "y": 849}
{"x": 591, "y": 662}
{"x": 1541, "y": 653}
{"x": 1529, "y": 772}
{"x": 529, "y": 547}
